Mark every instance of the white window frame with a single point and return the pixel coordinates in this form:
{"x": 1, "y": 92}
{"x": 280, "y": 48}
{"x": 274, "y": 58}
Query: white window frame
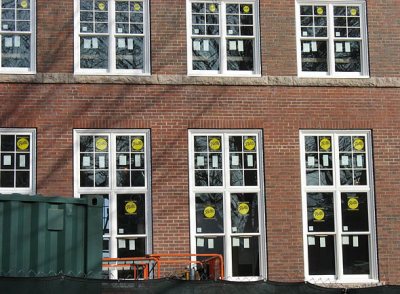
{"x": 227, "y": 190}
{"x": 112, "y": 70}
{"x": 336, "y": 189}
{"x": 222, "y": 37}
{"x": 331, "y": 73}
{"x": 32, "y": 33}
{"x": 31, "y": 190}
{"x": 112, "y": 190}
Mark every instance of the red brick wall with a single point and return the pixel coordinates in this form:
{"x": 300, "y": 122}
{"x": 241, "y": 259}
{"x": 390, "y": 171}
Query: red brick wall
{"x": 168, "y": 37}
{"x": 55, "y": 110}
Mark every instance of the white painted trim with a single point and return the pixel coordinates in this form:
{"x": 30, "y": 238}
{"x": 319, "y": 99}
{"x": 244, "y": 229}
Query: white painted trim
{"x": 222, "y": 38}
{"x": 336, "y": 189}
{"x": 331, "y": 73}
{"x": 31, "y": 190}
{"x": 227, "y": 190}
{"x": 111, "y": 70}
{"x": 112, "y": 190}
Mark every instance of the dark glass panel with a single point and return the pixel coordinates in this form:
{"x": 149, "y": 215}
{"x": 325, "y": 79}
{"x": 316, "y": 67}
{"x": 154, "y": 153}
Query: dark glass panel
{"x": 16, "y": 50}
{"x": 216, "y": 178}
{"x": 137, "y": 161}
{"x": 326, "y": 177}
{"x": 94, "y": 52}
{"x": 7, "y": 160}
{"x": 7, "y": 143}
{"x": 101, "y": 179}
{"x": 320, "y": 212}
{"x": 23, "y": 161}
{"x": 22, "y": 179}
{"x": 250, "y": 178}
{"x": 138, "y": 178}
{"x": 6, "y": 179}
{"x": 131, "y": 248}
{"x": 312, "y": 177}
{"x": 205, "y": 54}
{"x": 86, "y": 179}
{"x": 123, "y": 179}
{"x": 240, "y": 55}
{"x": 236, "y": 178}
{"x": 356, "y": 255}
{"x": 235, "y": 143}
{"x": 348, "y": 56}
{"x": 131, "y": 214}
{"x": 244, "y": 208}
{"x": 245, "y": 256}
{"x": 321, "y": 255}
{"x": 311, "y": 143}
{"x": 355, "y": 212}
{"x": 306, "y": 10}
{"x": 209, "y": 213}
{"x": 201, "y": 178}
{"x": 314, "y": 57}
{"x": 129, "y": 53}
{"x": 346, "y": 177}
{"x": 200, "y": 143}
{"x": 360, "y": 177}
{"x": 122, "y": 143}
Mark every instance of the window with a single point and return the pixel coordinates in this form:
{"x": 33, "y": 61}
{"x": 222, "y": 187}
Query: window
{"x": 332, "y": 39}
{"x": 227, "y": 200}
{"x": 112, "y": 37}
{"x": 17, "y": 36}
{"x": 338, "y": 206}
{"x": 223, "y": 37}
{"x": 18, "y": 155}
{"x": 115, "y": 164}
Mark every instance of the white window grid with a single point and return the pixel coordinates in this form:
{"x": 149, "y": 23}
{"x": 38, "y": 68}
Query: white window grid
{"x": 226, "y": 190}
{"x": 12, "y": 37}
{"x": 222, "y": 37}
{"x": 336, "y": 189}
{"x": 113, "y": 190}
{"x": 112, "y": 35}
{"x": 331, "y": 38}
{"x": 32, "y": 161}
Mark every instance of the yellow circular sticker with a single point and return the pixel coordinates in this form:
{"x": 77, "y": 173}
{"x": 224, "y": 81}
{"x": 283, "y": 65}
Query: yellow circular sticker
{"x": 137, "y": 144}
{"x": 130, "y": 207}
{"x": 325, "y": 144}
{"x": 246, "y": 9}
{"x": 319, "y": 214}
{"x": 249, "y": 144}
{"x": 102, "y": 6}
{"x": 209, "y": 212}
{"x": 353, "y": 11}
{"x": 24, "y": 4}
{"x": 243, "y": 208}
{"x": 358, "y": 144}
{"x": 320, "y": 10}
{"x": 22, "y": 143}
{"x": 212, "y": 7}
{"x": 215, "y": 144}
{"x": 101, "y": 144}
{"x": 136, "y": 6}
{"x": 352, "y": 203}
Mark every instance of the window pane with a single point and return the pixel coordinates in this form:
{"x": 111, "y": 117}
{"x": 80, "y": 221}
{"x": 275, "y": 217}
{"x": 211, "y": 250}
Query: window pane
{"x": 321, "y": 255}
{"x": 132, "y": 247}
{"x": 7, "y": 179}
{"x": 244, "y": 208}
{"x": 209, "y": 245}
{"x": 16, "y": 50}
{"x": 245, "y": 256}
{"x": 320, "y": 212}
{"x": 205, "y": 54}
{"x": 355, "y": 212}
{"x": 314, "y": 56}
{"x": 240, "y": 54}
{"x": 7, "y": 143}
{"x": 347, "y": 56}
{"x": 355, "y": 254}
{"x": 94, "y": 52}
{"x": 209, "y": 213}
{"x": 129, "y": 53}
{"x": 131, "y": 214}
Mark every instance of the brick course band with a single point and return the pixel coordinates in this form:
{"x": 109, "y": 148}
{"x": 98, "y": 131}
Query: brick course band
{"x": 64, "y": 78}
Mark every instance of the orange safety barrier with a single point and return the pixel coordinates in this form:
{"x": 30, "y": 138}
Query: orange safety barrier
{"x": 147, "y": 264}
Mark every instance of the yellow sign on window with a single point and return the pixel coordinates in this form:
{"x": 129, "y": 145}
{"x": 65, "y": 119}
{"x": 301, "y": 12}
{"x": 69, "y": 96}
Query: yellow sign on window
{"x": 358, "y": 144}
{"x": 24, "y": 4}
{"x": 22, "y": 143}
{"x": 130, "y": 207}
{"x": 325, "y": 144}
{"x": 209, "y": 212}
{"x": 320, "y": 10}
{"x": 249, "y": 144}
{"x": 136, "y": 6}
{"x": 212, "y": 7}
{"x": 137, "y": 144}
{"x": 319, "y": 214}
{"x": 352, "y": 203}
{"x": 246, "y": 9}
{"x": 102, "y": 6}
{"x": 215, "y": 144}
{"x": 101, "y": 144}
{"x": 243, "y": 208}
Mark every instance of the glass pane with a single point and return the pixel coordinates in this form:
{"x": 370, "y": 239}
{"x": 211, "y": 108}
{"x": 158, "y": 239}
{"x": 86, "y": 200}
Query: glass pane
{"x": 250, "y": 178}
{"x": 6, "y": 179}
{"x": 321, "y": 255}
{"x": 86, "y": 143}
{"x": 16, "y": 51}
{"x": 101, "y": 179}
{"x": 129, "y": 53}
{"x": 314, "y": 56}
{"x": 122, "y": 143}
{"x": 326, "y": 178}
{"x": 355, "y": 254}
{"x": 320, "y": 212}
{"x": 94, "y": 52}
{"x": 123, "y": 179}
{"x": 209, "y": 213}
{"x": 205, "y": 54}
{"x": 215, "y": 178}
{"x": 101, "y": 160}
{"x": 86, "y": 179}
{"x": 7, "y": 143}
{"x": 86, "y": 161}
{"x": 236, "y": 178}
{"x": 311, "y": 143}
{"x": 132, "y": 247}
{"x": 312, "y": 177}
{"x": 200, "y": 143}
{"x": 355, "y": 212}
{"x": 131, "y": 214}
{"x": 23, "y": 161}
{"x": 201, "y": 178}
{"x": 348, "y": 56}
{"x": 244, "y": 208}
{"x": 137, "y": 178}
{"x": 22, "y": 179}
{"x": 235, "y": 143}
{"x": 240, "y": 54}
{"x": 245, "y": 256}
{"x": 7, "y": 161}
{"x": 235, "y": 160}
{"x": 209, "y": 245}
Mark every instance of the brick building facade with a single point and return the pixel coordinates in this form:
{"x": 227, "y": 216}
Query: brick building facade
{"x": 277, "y": 109}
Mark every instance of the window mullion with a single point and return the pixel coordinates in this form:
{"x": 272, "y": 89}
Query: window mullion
{"x": 111, "y": 36}
{"x": 331, "y": 41}
{"x": 223, "y": 54}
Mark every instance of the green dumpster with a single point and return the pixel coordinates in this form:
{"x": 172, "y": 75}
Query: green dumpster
{"x": 46, "y": 236}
